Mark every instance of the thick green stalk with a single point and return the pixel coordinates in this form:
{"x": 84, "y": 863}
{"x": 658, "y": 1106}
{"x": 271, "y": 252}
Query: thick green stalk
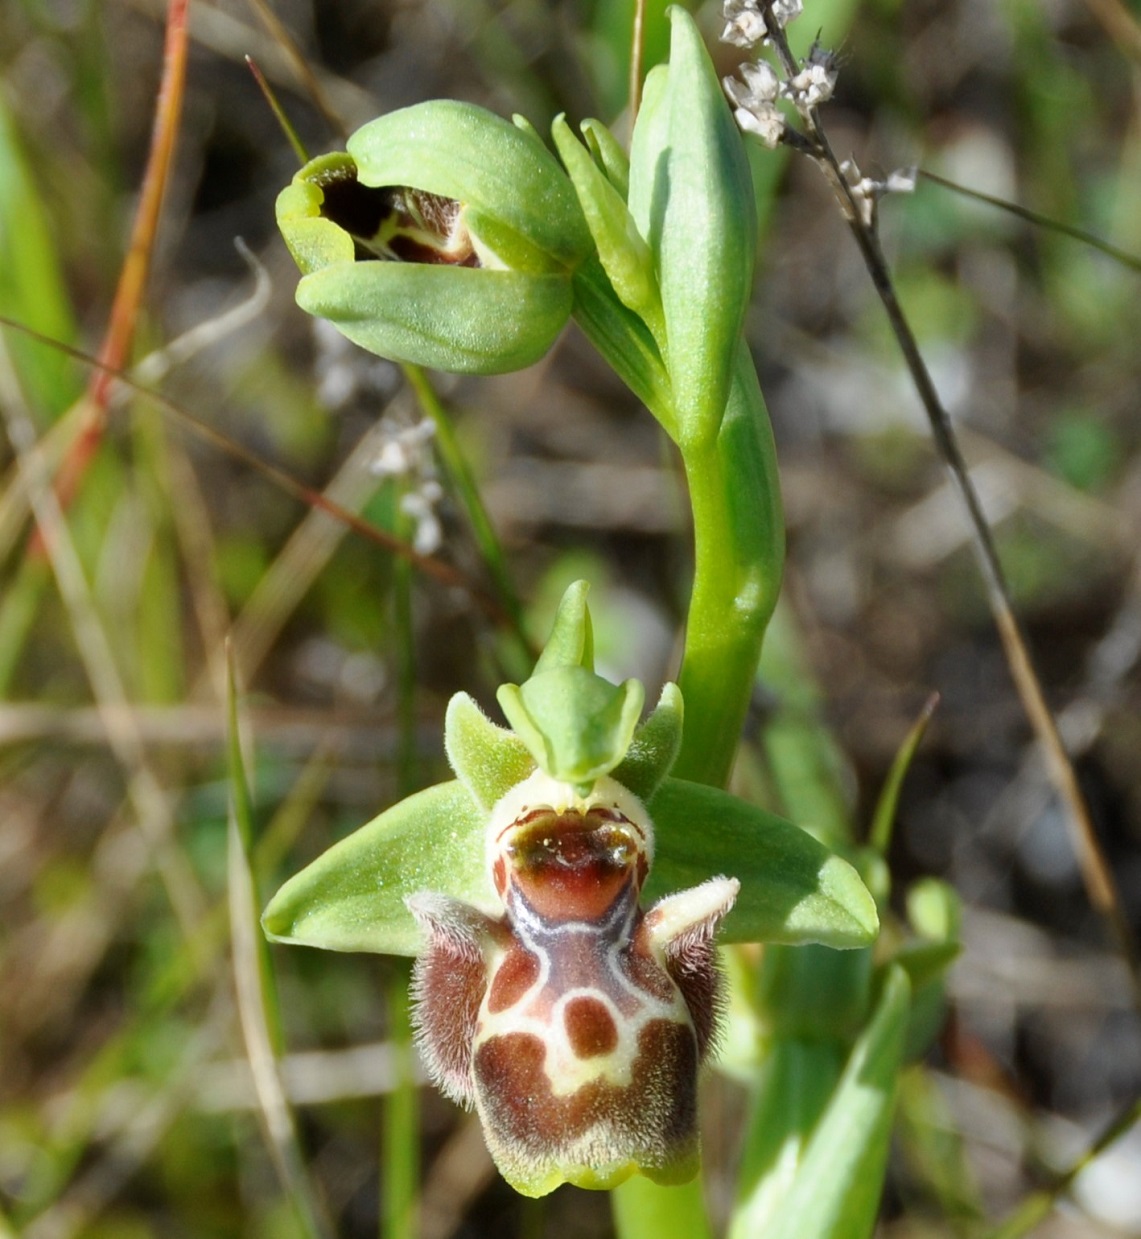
{"x": 738, "y": 557}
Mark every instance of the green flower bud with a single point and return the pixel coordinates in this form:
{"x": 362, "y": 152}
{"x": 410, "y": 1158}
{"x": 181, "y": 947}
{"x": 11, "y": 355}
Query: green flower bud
{"x": 446, "y": 237}
{"x": 691, "y": 197}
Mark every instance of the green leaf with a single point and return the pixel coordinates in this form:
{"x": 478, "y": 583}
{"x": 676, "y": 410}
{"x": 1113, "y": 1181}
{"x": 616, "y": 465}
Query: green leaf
{"x": 351, "y": 898}
{"x": 793, "y": 890}
{"x": 649, "y": 156}
{"x": 488, "y": 760}
{"x": 655, "y": 746}
{"x": 883, "y": 820}
{"x": 576, "y": 725}
{"x": 32, "y": 286}
{"x": 793, "y": 1089}
{"x": 464, "y": 320}
{"x": 838, "y": 1183}
{"x": 466, "y": 153}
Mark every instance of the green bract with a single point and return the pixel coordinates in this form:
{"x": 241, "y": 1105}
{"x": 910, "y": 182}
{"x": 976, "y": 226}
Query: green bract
{"x": 793, "y": 889}
{"x": 446, "y": 237}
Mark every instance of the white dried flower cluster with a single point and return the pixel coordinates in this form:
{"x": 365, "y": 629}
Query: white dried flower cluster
{"x": 867, "y": 191}
{"x": 345, "y": 374}
{"x": 420, "y": 505}
{"x": 406, "y": 453}
{"x": 754, "y": 96}
{"x": 816, "y": 80}
{"x": 746, "y": 24}
{"x": 756, "y": 93}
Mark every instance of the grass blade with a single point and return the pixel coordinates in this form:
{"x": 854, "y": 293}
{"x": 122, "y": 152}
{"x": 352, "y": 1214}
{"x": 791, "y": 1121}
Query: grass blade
{"x": 257, "y": 1005}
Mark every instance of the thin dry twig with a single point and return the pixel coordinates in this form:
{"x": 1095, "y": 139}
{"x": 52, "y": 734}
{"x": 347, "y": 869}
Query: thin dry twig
{"x": 136, "y": 265}
{"x": 1096, "y": 874}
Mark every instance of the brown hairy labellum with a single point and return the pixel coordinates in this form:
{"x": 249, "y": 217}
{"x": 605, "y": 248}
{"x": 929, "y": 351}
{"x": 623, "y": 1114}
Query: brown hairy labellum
{"x": 574, "y": 1023}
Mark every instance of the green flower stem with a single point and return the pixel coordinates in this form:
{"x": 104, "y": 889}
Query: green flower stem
{"x": 738, "y": 555}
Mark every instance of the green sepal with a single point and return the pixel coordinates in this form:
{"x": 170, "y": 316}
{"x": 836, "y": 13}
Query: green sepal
{"x": 691, "y": 196}
{"x": 488, "y": 760}
{"x": 624, "y": 254}
{"x": 655, "y": 746}
{"x": 793, "y": 889}
{"x": 351, "y": 898}
{"x": 571, "y": 642}
{"x": 576, "y": 725}
{"x": 459, "y": 319}
{"x": 494, "y": 168}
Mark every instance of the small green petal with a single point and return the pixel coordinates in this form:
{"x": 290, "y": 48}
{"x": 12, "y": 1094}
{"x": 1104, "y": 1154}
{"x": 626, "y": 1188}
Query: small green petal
{"x": 313, "y": 241}
{"x": 577, "y": 725}
{"x": 793, "y": 889}
{"x": 624, "y": 254}
{"x": 460, "y": 319}
{"x": 654, "y": 748}
{"x": 571, "y": 643}
{"x": 608, "y": 155}
{"x": 351, "y": 898}
{"x": 487, "y": 759}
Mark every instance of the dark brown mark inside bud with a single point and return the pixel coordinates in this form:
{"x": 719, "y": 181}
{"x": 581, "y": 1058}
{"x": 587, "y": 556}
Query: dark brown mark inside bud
{"x": 397, "y": 223}
{"x": 590, "y": 1027}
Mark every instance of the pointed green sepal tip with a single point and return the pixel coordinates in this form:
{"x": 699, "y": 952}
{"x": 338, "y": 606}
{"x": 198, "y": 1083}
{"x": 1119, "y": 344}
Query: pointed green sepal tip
{"x": 575, "y": 724}
{"x": 351, "y": 898}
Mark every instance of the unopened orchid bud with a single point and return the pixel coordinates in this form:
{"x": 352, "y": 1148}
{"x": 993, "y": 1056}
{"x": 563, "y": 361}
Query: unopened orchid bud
{"x": 691, "y": 198}
{"x": 446, "y": 236}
